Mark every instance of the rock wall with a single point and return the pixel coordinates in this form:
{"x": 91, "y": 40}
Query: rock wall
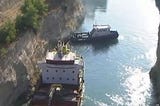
{"x": 65, "y": 18}
{"x": 7, "y": 4}
{"x": 9, "y": 9}
{"x": 155, "y": 71}
{"x": 19, "y": 70}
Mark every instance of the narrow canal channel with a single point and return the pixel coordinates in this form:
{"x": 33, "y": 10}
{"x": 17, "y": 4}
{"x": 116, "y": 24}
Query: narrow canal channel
{"x": 116, "y": 73}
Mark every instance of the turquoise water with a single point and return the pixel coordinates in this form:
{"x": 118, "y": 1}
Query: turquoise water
{"x": 117, "y": 73}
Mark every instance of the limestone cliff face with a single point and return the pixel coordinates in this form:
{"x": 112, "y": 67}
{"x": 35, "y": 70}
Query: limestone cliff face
{"x": 19, "y": 70}
{"x": 155, "y": 71}
{"x": 9, "y": 9}
{"x": 7, "y": 4}
{"x": 65, "y": 18}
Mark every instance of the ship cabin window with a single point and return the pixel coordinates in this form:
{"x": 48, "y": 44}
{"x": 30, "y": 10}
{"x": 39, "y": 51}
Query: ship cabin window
{"x": 108, "y": 29}
{"x": 53, "y": 78}
{"x": 73, "y": 79}
{"x": 72, "y": 71}
{"x": 47, "y": 78}
{"x": 104, "y": 30}
{"x": 47, "y": 70}
{"x": 67, "y": 78}
{"x": 60, "y": 78}
{"x": 56, "y": 70}
{"x": 64, "y": 71}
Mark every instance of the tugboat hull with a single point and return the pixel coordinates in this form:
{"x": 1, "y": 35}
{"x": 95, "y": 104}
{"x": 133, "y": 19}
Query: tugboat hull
{"x": 87, "y": 38}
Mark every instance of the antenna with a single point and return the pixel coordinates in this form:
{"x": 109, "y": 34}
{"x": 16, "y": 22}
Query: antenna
{"x": 60, "y": 31}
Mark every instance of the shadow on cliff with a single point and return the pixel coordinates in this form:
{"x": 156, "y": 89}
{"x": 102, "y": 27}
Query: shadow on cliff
{"x": 158, "y": 4}
{"x": 155, "y": 80}
{"x": 10, "y": 90}
{"x": 22, "y": 83}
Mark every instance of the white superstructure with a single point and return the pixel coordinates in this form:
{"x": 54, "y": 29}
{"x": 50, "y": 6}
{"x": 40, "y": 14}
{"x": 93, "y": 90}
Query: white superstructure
{"x": 100, "y": 30}
{"x": 62, "y": 67}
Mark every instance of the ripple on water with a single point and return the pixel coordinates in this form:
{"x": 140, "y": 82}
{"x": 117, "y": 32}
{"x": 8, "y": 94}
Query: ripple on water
{"x": 96, "y": 102}
{"x": 151, "y": 55}
{"x": 137, "y": 86}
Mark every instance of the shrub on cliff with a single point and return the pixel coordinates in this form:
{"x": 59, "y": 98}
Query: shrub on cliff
{"x": 3, "y": 52}
{"x": 8, "y": 32}
{"x": 29, "y": 20}
{"x": 32, "y": 11}
{"x": 38, "y": 5}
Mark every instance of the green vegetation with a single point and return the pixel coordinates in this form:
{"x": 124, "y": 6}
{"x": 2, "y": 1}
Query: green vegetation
{"x": 3, "y": 52}
{"x": 32, "y": 12}
{"x": 8, "y": 33}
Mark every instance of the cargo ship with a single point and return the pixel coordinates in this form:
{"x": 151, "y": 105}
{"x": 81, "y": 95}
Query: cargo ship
{"x": 98, "y": 33}
{"x": 62, "y": 79}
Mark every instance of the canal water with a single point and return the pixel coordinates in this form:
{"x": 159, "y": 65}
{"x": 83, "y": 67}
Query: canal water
{"x": 117, "y": 72}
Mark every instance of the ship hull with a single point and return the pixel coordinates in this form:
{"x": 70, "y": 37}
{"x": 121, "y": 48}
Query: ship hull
{"x": 62, "y": 79}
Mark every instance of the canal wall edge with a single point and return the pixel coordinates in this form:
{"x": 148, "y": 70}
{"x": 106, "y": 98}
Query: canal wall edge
{"x": 155, "y": 71}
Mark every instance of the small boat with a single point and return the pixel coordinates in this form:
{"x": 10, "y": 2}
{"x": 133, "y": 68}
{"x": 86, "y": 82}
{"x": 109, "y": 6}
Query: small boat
{"x": 62, "y": 81}
{"x": 99, "y": 32}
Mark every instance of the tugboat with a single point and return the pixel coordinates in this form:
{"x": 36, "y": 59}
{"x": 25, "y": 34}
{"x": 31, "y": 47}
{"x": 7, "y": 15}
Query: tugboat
{"x": 62, "y": 79}
{"x": 98, "y": 33}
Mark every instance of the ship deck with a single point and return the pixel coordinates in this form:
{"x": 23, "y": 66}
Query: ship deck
{"x": 69, "y": 95}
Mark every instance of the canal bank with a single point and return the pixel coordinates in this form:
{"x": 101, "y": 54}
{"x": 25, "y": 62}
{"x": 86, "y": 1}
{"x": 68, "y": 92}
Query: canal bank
{"x": 155, "y": 71}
